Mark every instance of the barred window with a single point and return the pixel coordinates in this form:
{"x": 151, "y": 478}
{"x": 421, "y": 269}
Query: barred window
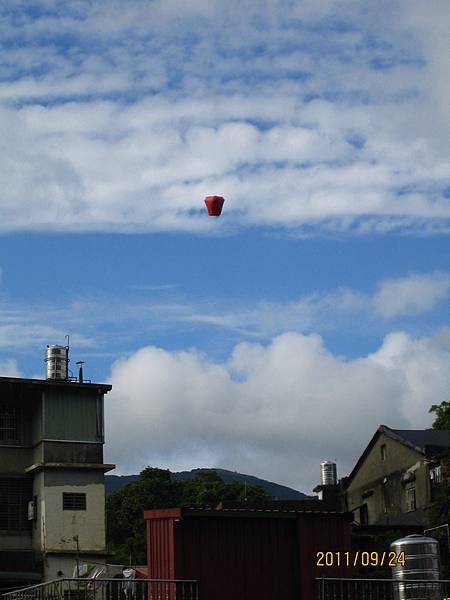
{"x": 74, "y": 501}
{"x": 15, "y": 493}
{"x": 435, "y": 475}
{"x": 410, "y": 499}
{"x": 10, "y": 424}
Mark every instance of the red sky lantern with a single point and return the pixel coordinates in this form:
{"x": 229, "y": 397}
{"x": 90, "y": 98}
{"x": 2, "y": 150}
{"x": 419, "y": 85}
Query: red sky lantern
{"x": 214, "y": 205}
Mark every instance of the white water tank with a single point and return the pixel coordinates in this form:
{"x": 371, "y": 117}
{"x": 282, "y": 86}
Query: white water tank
{"x": 57, "y": 362}
{"x": 328, "y": 473}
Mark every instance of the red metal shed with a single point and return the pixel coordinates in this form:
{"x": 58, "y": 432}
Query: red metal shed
{"x": 244, "y": 554}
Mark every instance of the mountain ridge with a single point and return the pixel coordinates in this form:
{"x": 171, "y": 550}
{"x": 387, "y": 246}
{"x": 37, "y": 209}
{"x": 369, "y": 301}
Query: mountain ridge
{"x": 275, "y": 490}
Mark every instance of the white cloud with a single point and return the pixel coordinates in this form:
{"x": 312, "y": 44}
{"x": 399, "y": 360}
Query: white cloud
{"x": 92, "y": 320}
{"x": 29, "y": 327}
{"x": 411, "y": 295}
{"x": 275, "y": 411}
{"x": 310, "y": 312}
{"x": 306, "y": 118}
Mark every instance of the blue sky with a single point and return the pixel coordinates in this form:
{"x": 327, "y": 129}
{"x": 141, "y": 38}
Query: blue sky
{"x": 316, "y": 307}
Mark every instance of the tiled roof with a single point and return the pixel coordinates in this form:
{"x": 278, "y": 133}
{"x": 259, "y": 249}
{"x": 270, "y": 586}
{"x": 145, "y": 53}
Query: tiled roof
{"x": 424, "y": 437}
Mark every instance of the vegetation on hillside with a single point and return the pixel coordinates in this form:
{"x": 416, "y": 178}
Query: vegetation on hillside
{"x": 155, "y": 489}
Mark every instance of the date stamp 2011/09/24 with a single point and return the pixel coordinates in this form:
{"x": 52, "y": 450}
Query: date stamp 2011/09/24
{"x": 360, "y": 559}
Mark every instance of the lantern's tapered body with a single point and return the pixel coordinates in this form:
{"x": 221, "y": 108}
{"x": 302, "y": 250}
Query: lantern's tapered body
{"x": 214, "y": 205}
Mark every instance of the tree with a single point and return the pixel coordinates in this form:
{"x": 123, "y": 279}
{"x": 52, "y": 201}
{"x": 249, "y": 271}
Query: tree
{"x": 155, "y": 489}
{"x": 124, "y": 512}
{"x": 208, "y": 489}
{"x": 442, "y": 412}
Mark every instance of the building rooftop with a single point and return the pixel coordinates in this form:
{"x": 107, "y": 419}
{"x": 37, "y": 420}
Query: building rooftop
{"x": 425, "y": 441}
{"x": 420, "y": 438}
{"x": 179, "y": 513}
{"x": 52, "y": 383}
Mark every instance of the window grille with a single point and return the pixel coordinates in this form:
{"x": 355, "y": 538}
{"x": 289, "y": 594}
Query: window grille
{"x": 435, "y": 475}
{"x": 10, "y": 424}
{"x": 410, "y": 499}
{"x": 15, "y": 493}
{"x": 74, "y": 501}
{"x": 436, "y": 478}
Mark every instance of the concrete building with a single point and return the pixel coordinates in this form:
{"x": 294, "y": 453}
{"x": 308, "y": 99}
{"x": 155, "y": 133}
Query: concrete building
{"x": 52, "y": 498}
{"x": 397, "y": 476}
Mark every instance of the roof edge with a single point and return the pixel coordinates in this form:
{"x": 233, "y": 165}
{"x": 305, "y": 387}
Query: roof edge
{"x": 163, "y": 513}
{"x": 104, "y": 387}
{"x": 179, "y": 513}
{"x": 382, "y": 429}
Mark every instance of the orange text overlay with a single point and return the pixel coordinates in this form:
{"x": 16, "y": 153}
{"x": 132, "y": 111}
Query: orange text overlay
{"x": 360, "y": 559}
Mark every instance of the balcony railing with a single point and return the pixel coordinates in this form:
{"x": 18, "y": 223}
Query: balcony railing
{"x": 382, "y": 589}
{"x": 108, "y": 589}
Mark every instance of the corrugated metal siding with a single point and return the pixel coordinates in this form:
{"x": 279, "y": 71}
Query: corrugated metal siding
{"x": 242, "y": 557}
{"x": 160, "y": 549}
{"x": 321, "y": 534}
{"x": 36, "y": 422}
{"x": 238, "y": 558}
{"x": 71, "y": 415}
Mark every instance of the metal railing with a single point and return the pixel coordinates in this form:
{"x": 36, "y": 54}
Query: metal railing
{"x": 382, "y": 589}
{"x": 108, "y": 589}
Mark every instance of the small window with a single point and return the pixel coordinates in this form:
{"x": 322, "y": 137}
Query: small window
{"x": 386, "y": 496}
{"x": 363, "y": 514}
{"x": 73, "y": 501}
{"x": 410, "y": 499}
{"x": 435, "y": 475}
{"x": 383, "y": 452}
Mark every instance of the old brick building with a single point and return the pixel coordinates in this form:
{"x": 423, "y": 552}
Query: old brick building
{"x": 397, "y": 476}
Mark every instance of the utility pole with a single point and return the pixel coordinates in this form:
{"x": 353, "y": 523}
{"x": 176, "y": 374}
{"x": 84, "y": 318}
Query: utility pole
{"x": 75, "y": 538}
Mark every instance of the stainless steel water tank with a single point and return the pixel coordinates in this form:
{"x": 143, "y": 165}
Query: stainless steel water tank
{"x": 56, "y": 362}
{"x": 421, "y": 555}
{"x": 328, "y": 475}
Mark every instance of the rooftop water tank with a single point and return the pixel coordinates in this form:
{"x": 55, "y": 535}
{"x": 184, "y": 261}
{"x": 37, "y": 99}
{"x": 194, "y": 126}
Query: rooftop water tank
{"x": 328, "y": 474}
{"x": 421, "y": 561}
{"x": 57, "y": 362}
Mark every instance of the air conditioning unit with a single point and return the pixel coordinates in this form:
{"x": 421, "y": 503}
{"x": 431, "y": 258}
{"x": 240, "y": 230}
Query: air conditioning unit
{"x": 32, "y": 510}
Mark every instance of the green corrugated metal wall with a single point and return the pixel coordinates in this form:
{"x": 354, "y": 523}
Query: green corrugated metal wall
{"x": 36, "y": 422}
{"x": 70, "y": 415}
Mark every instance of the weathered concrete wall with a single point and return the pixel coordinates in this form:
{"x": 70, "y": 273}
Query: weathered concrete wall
{"x": 72, "y": 452}
{"x": 62, "y": 525}
{"x": 39, "y": 523}
{"x": 14, "y": 460}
